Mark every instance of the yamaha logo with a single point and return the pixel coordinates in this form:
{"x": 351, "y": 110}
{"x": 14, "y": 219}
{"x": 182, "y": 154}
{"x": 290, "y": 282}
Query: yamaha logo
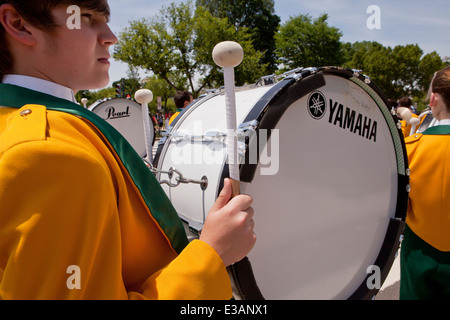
{"x": 317, "y": 105}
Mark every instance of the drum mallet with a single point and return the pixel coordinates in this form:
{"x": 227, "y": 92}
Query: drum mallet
{"x": 406, "y": 115}
{"x": 84, "y": 101}
{"x": 229, "y": 54}
{"x": 144, "y": 97}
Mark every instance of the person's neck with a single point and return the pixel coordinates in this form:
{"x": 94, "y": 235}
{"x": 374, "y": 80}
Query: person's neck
{"x": 41, "y": 85}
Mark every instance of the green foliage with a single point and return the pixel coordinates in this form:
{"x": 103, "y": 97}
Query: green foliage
{"x": 304, "y": 42}
{"x": 176, "y": 45}
{"x": 401, "y": 71}
{"x": 257, "y": 16}
{"x": 93, "y": 96}
{"x": 160, "y": 88}
{"x": 210, "y": 31}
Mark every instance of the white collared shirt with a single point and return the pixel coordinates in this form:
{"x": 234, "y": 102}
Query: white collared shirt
{"x": 40, "y": 85}
{"x": 443, "y": 122}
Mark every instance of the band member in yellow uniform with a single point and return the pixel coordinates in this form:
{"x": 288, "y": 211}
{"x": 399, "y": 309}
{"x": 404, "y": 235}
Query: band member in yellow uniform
{"x": 182, "y": 100}
{"x": 80, "y": 215}
{"x": 425, "y": 253}
{"x": 406, "y": 102}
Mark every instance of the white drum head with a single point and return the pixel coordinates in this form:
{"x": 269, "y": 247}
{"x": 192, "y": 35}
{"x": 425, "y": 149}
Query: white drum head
{"x": 329, "y": 187}
{"x": 126, "y": 117}
{"x": 322, "y": 218}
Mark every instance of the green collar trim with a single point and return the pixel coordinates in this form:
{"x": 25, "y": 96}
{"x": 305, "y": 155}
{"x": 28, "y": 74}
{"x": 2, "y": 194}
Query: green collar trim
{"x": 154, "y": 196}
{"x": 437, "y": 130}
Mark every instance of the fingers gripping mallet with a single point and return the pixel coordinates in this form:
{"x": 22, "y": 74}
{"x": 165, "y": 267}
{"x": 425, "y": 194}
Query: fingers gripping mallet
{"x": 144, "y": 97}
{"x": 229, "y": 54}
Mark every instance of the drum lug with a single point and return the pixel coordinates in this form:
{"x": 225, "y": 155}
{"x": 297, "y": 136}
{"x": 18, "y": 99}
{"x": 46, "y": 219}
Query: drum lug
{"x": 299, "y": 73}
{"x": 356, "y": 73}
{"x": 266, "y": 81}
{"x": 250, "y": 125}
{"x": 246, "y": 129}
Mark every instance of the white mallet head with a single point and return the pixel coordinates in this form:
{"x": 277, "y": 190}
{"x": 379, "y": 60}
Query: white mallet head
{"x": 228, "y": 54}
{"x": 143, "y": 96}
{"x": 405, "y": 114}
{"x": 414, "y": 121}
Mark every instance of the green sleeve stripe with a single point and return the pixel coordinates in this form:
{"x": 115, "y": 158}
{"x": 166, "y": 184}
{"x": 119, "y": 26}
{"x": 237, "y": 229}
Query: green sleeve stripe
{"x": 154, "y": 196}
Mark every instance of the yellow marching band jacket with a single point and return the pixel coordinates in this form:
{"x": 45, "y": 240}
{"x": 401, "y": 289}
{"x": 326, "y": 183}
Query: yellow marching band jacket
{"x": 82, "y": 217}
{"x": 428, "y": 152}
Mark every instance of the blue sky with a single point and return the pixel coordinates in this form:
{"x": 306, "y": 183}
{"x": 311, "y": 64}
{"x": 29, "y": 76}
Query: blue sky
{"x": 426, "y": 23}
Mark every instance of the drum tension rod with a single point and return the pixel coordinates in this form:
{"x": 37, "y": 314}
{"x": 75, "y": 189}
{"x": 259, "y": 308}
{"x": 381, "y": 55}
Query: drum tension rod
{"x": 180, "y": 179}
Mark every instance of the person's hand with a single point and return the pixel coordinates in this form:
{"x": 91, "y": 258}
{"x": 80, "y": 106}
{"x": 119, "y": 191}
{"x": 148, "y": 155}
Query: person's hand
{"x": 229, "y": 226}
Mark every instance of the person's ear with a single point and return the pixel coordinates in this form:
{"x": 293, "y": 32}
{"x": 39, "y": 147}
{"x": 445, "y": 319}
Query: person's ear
{"x": 433, "y": 100}
{"x": 15, "y": 25}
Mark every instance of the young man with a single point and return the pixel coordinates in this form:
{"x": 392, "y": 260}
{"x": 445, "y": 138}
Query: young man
{"x": 182, "y": 100}
{"x": 80, "y": 215}
{"x": 425, "y": 254}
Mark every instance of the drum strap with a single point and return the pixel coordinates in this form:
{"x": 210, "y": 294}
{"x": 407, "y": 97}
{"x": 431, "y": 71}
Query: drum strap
{"x": 156, "y": 200}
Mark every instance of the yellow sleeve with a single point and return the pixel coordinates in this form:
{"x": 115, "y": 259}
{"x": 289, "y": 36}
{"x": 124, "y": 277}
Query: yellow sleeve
{"x": 46, "y": 230}
{"x": 186, "y": 277}
{"x": 61, "y": 232}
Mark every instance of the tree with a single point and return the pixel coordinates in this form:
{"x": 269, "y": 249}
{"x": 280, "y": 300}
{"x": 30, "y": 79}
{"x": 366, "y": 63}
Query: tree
{"x": 160, "y": 88}
{"x": 132, "y": 82}
{"x": 148, "y": 45}
{"x": 401, "y": 71}
{"x": 176, "y": 45}
{"x": 304, "y": 42}
{"x": 210, "y": 31}
{"x": 374, "y": 61}
{"x": 94, "y": 96}
{"x": 258, "y": 16}
{"x": 428, "y": 65}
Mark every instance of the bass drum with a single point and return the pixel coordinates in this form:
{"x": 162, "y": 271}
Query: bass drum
{"x": 125, "y": 116}
{"x": 325, "y": 162}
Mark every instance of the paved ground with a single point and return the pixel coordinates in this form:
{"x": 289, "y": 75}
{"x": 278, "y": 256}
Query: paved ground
{"x": 391, "y": 287}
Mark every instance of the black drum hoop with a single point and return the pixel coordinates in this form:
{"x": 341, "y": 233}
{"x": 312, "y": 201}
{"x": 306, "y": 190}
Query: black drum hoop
{"x": 269, "y": 110}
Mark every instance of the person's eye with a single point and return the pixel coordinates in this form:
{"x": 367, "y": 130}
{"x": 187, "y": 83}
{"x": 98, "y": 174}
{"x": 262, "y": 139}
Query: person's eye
{"x": 87, "y": 16}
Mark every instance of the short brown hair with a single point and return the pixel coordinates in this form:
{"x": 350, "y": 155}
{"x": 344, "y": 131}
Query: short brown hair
{"x": 181, "y": 97}
{"x": 405, "y": 102}
{"x": 38, "y": 13}
{"x": 441, "y": 85}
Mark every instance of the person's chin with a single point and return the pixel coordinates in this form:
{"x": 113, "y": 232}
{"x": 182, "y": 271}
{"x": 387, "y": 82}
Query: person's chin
{"x": 98, "y": 82}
